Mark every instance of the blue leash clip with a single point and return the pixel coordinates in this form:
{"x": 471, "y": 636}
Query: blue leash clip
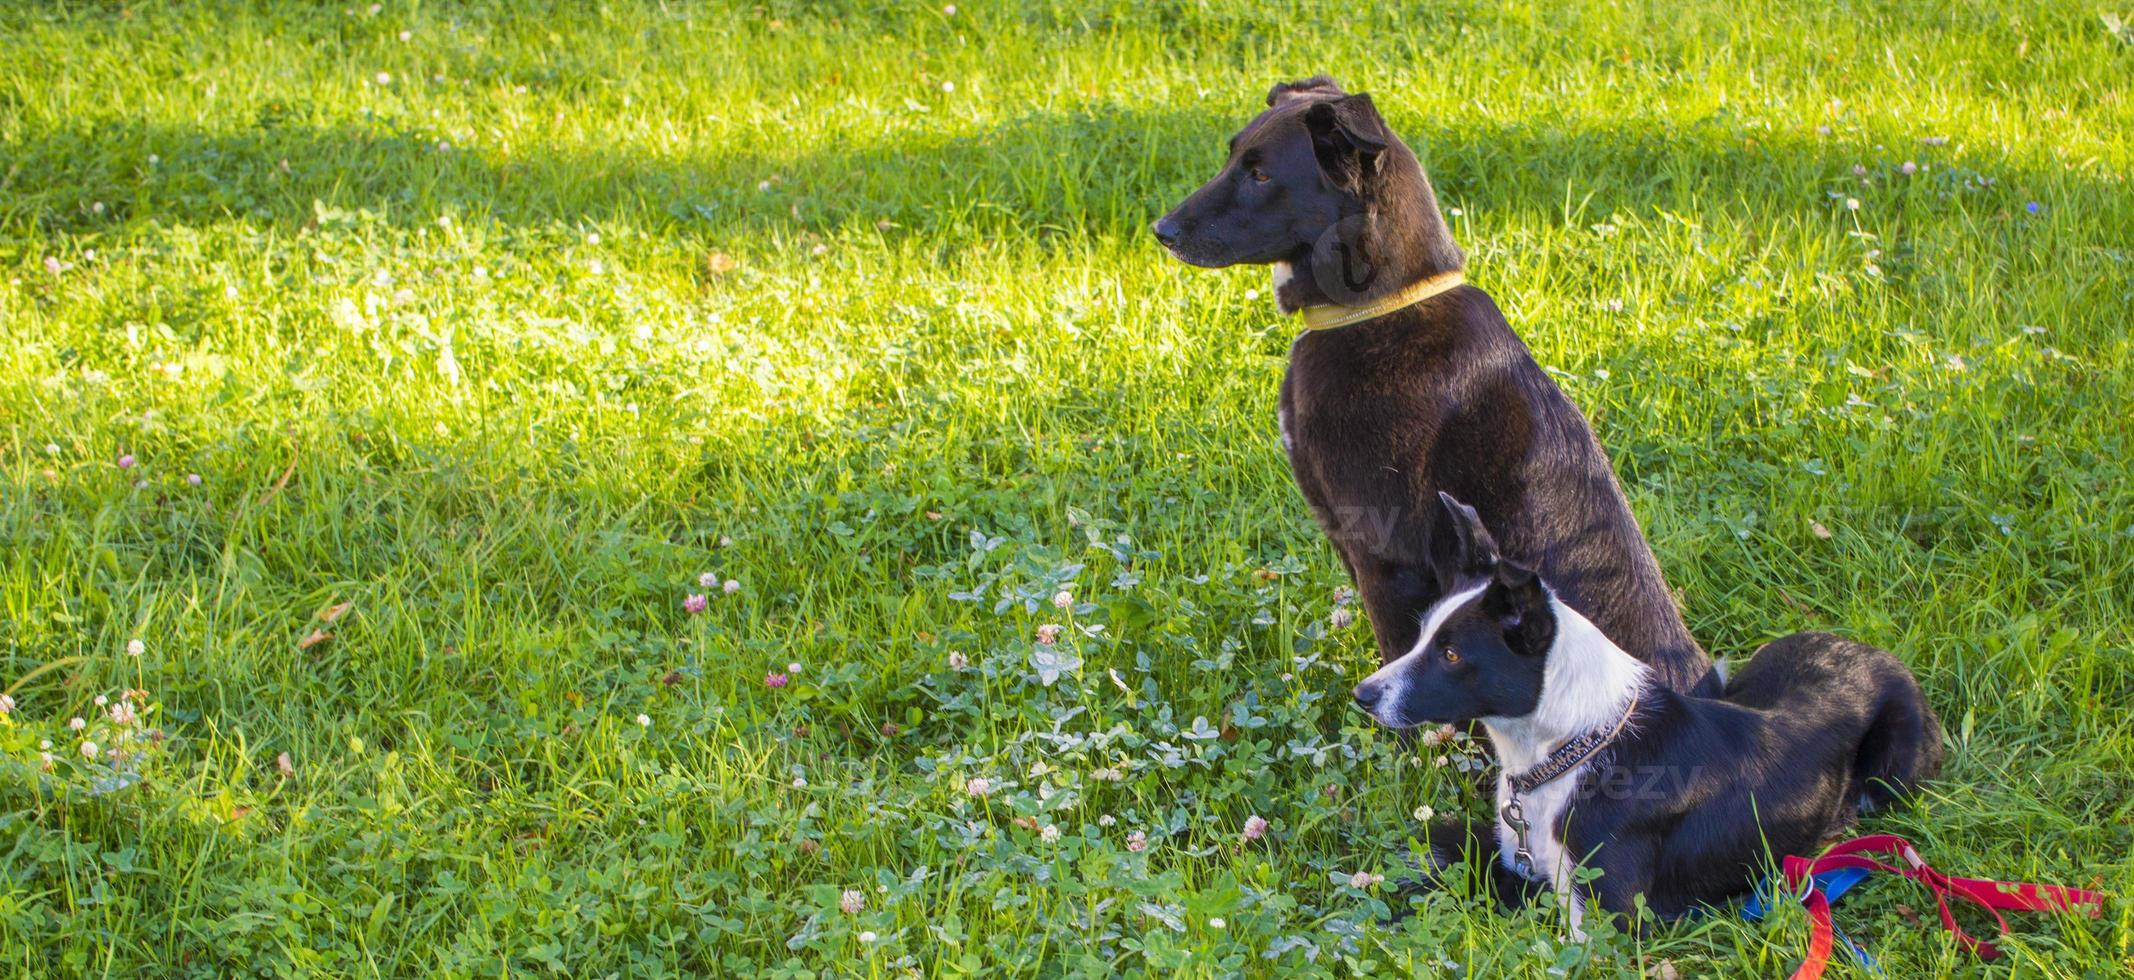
{"x": 1834, "y": 884}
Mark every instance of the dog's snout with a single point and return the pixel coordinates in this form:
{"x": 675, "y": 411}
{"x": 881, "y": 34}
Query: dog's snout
{"x": 1367, "y": 695}
{"x": 1166, "y": 229}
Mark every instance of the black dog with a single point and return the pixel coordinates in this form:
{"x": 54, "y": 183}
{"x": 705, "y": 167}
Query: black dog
{"x": 1428, "y": 390}
{"x": 1675, "y": 797}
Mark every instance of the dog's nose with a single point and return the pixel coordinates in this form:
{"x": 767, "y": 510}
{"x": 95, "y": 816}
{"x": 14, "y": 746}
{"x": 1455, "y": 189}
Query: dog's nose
{"x": 1367, "y": 695}
{"x": 1166, "y": 231}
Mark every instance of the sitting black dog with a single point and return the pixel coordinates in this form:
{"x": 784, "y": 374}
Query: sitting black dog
{"x": 1407, "y": 381}
{"x": 1678, "y": 798}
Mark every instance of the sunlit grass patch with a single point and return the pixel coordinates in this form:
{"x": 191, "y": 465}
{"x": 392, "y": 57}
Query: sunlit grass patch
{"x": 517, "y": 335}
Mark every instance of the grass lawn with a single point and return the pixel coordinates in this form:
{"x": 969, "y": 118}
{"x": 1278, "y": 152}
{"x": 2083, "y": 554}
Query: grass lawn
{"x": 393, "y": 375}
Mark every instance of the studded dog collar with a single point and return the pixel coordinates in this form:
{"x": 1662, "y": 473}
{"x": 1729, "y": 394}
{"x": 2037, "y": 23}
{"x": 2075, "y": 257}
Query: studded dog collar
{"x": 1570, "y": 754}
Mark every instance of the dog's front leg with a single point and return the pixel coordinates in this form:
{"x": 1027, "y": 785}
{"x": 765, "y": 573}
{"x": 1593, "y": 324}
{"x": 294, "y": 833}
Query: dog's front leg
{"x": 1454, "y": 842}
{"x": 1625, "y": 873}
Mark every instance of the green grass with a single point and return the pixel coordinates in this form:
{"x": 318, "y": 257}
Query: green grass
{"x": 582, "y": 302}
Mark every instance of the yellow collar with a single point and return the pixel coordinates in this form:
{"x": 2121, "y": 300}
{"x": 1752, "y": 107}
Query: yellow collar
{"x": 1334, "y": 315}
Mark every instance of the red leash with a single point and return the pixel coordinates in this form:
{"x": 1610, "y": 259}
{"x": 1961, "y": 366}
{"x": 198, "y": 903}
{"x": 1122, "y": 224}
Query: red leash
{"x": 1990, "y": 895}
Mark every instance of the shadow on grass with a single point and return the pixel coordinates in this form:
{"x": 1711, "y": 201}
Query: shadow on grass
{"x": 1101, "y": 171}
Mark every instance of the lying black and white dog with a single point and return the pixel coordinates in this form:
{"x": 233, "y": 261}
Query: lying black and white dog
{"x": 1679, "y": 798}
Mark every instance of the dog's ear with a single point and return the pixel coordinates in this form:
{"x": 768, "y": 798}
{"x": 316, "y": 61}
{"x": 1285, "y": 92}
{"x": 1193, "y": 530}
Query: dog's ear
{"x": 1460, "y": 547}
{"x": 1519, "y": 602}
{"x": 1347, "y": 137}
{"x": 1317, "y": 85}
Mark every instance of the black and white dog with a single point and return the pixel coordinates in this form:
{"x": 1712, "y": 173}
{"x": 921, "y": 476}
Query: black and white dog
{"x": 1679, "y": 798}
{"x": 1408, "y": 381}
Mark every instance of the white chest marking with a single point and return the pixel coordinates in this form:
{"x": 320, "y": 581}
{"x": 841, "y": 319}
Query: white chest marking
{"x": 1544, "y": 809}
{"x": 1587, "y": 683}
{"x": 1281, "y": 421}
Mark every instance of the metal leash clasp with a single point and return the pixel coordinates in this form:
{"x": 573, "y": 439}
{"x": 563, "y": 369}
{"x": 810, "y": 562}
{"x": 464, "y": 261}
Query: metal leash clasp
{"x": 1522, "y": 859}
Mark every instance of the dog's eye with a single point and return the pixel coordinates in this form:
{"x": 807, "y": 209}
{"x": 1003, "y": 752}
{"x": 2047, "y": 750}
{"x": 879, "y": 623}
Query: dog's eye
{"x": 1260, "y": 176}
{"x": 1451, "y": 657}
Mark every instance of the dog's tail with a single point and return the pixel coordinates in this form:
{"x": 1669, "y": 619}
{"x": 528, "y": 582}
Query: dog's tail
{"x": 1902, "y": 747}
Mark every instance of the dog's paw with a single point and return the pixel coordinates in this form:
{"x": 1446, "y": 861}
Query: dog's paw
{"x": 1427, "y": 869}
